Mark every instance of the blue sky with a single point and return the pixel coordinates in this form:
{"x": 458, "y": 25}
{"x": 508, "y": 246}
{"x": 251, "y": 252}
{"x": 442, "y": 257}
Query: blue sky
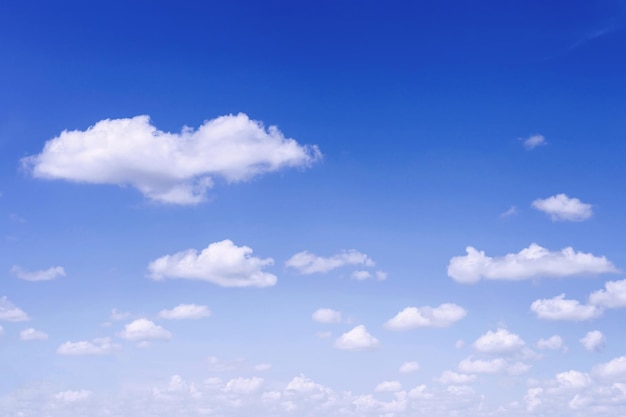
{"x": 340, "y": 209}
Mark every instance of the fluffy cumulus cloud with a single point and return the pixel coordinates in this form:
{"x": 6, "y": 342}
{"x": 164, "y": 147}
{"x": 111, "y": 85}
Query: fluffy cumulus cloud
{"x": 222, "y": 263}
{"x": 43, "y": 275}
{"x": 413, "y": 317}
{"x": 143, "y": 330}
{"x": 101, "y": 346}
{"x": 357, "y": 339}
{"x": 409, "y": 367}
{"x": 499, "y": 342}
{"x": 167, "y": 167}
{"x": 613, "y": 369}
{"x": 185, "y": 311}
{"x": 10, "y": 312}
{"x": 593, "y": 341}
{"x": 326, "y": 315}
{"x": 306, "y": 262}
{"x": 534, "y": 141}
{"x": 560, "y": 207}
{"x": 551, "y": 343}
{"x": 560, "y": 308}
{"x": 612, "y": 296}
{"x": 532, "y": 262}
{"x": 32, "y": 334}
{"x": 73, "y": 396}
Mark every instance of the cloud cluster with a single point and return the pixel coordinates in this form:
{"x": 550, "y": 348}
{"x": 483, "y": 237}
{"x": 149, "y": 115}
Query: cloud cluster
{"x": 560, "y": 207}
{"x": 413, "y": 317}
{"x": 43, "y": 275}
{"x": 532, "y": 262}
{"x": 222, "y": 263}
{"x": 167, "y": 167}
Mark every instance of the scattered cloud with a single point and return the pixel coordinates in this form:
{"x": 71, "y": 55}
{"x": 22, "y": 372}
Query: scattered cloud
{"x": 533, "y": 141}
{"x": 102, "y": 346}
{"x": 479, "y": 366}
{"x": 562, "y": 208}
{"x": 306, "y": 262}
{"x": 613, "y": 369}
{"x": 174, "y": 168}
{"x": 559, "y": 308}
{"x": 499, "y": 342}
{"x": 612, "y": 296}
{"x": 243, "y": 385}
{"x": 357, "y": 339}
{"x": 512, "y": 211}
{"x": 185, "y": 311}
{"x": 413, "y": 317}
{"x": 43, "y": 275}
{"x": 222, "y": 263}
{"x": 388, "y": 386}
{"x": 10, "y": 312}
{"x": 32, "y": 334}
{"x": 73, "y": 396}
{"x": 143, "y": 330}
{"x": 450, "y": 377}
{"x": 118, "y": 315}
{"x": 552, "y": 343}
{"x": 409, "y": 367}
{"x": 532, "y": 262}
{"x": 593, "y": 341}
{"x": 327, "y": 315}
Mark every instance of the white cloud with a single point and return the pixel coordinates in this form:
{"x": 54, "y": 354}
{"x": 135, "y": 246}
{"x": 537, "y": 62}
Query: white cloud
{"x": 552, "y": 343}
{"x": 559, "y": 308}
{"x": 185, "y": 311}
{"x": 142, "y": 330}
{"x": 512, "y": 211}
{"x": 43, "y": 275}
{"x": 480, "y": 366}
{"x": 412, "y": 317}
{"x": 389, "y": 386}
{"x": 117, "y": 315}
{"x": 221, "y": 263}
{"x": 612, "y": 296}
{"x": 10, "y": 312}
{"x": 593, "y": 341}
{"x": 562, "y": 208}
{"x": 72, "y": 396}
{"x": 307, "y": 263}
{"x": 499, "y": 342}
{"x": 32, "y": 334}
{"x": 614, "y": 369}
{"x": 408, "y": 367}
{"x": 1, "y": 330}
{"x": 243, "y": 385}
{"x": 167, "y": 167}
{"x": 532, "y": 262}
{"x": 101, "y": 346}
{"x": 573, "y": 379}
{"x": 533, "y": 141}
{"x": 303, "y": 384}
{"x": 327, "y": 315}
{"x": 532, "y": 398}
{"x": 449, "y": 377}
{"x": 356, "y": 339}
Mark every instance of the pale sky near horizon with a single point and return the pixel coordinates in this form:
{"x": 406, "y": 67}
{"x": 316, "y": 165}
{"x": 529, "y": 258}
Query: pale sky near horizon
{"x": 390, "y": 209}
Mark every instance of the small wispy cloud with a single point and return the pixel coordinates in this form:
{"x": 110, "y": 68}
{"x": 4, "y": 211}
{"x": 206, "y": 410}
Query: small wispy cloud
{"x": 533, "y": 141}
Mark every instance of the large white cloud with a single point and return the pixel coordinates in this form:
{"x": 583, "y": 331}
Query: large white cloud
{"x": 612, "y": 296}
{"x": 560, "y": 308}
{"x": 143, "y": 330}
{"x": 169, "y": 167}
{"x": 185, "y": 311}
{"x": 306, "y": 262}
{"x": 10, "y": 312}
{"x": 357, "y": 339}
{"x": 222, "y": 263}
{"x": 593, "y": 341}
{"x": 43, "y": 275}
{"x": 102, "y": 346}
{"x": 499, "y": 342}
{"x": 413, "y": 317}
{"x": 560, "y": 207}
{"x": 326, "y": 315}
{"x": 532, "y": 262}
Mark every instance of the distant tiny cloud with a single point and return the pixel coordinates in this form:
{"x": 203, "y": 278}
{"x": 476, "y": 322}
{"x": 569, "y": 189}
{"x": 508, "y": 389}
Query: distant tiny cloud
{"x": 480, "y": 366}
{"x": 409, "y": 367}
{"x": 451, "y": 377}
{"x": 262, "y": 367}
{"x": 185, "y": 312}
{"x": 175, "y": 168}
{"x": 144, "y": 330}
{"x": 594, "y": 341}
{"x": 101, "y": 346}
{"x": 42, "y": 275}
{"x": 73, "y": 396}
{"x": 326, "y": 315}
{"x": 10, "y": 312}
{"x": 306, "y": 262}
{"x": 560, "y": 207}
{"x": 532, "y": 262}
{"x": 32, "y": 334}
{"x": 533, "y": 141}
{"x": 118, "y": 315}
{"x": 388, "y": 386}
{"x": 512, "y": 211}
{"x": 357, "y": 339}
{"x": 221, "y": 263}
{"x": 413, "y": 317}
